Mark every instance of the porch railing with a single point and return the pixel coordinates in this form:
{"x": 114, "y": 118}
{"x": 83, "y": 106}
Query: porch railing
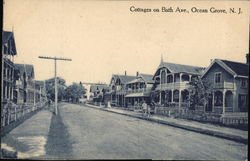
{"x": 223, "y": 85}
{"x": 172, "y": 85}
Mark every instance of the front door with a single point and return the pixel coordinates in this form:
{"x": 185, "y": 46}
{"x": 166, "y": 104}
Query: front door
{"x": 209, "y": 105}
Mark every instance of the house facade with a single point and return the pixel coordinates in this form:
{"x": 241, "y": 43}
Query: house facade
{"x": 40, "y": 93}
{"x": 117, "y": 90}
{"x": 229, "y": 82}
{"x": 8, "y": 68}
{"x": 97, "y": 92}
{"x": 172, "y": 84}
{"x": 138, "y": 90}
{"x": 25, "y": 90}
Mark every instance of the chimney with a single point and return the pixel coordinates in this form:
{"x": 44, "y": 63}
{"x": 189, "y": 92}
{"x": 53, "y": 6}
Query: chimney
{"x": 247, "y": 58}
{"x": 125, "y": 73}
{"x": 137, "y": 73}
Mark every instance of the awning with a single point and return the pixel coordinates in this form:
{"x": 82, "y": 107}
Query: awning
{"x": 137, "y": 95}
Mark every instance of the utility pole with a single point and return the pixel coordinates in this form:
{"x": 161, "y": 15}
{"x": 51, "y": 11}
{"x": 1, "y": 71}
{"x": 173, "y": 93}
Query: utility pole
{"x": 55, "y": 59}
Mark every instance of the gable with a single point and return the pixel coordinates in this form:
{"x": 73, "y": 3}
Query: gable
{"x": 217, "y": 68}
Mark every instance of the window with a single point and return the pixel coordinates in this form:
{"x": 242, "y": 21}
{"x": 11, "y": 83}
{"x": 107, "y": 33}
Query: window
{"x": 243, "y": 83}
{"x": 217, "y": 78}
{"x": 163, "y": 77}
{"x": 243, "y": 102}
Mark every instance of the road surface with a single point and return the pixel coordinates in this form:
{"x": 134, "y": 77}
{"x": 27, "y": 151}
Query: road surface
{"x": 86, "y": 133}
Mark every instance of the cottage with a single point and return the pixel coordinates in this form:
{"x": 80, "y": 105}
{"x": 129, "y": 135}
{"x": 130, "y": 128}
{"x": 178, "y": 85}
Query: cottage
{"x": 97, "y": 92}
{"x": 40, "y": 90}
{"x": 8, "y": 53}
{"x": 25, "y": 84}
{"x": 138, "y": 90}
{"x": 118, "y": 88}
{"x": 229, "y": 82}
{"x": 172, "y": 83}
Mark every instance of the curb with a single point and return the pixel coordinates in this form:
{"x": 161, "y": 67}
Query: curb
{"x": 185, "y": 127}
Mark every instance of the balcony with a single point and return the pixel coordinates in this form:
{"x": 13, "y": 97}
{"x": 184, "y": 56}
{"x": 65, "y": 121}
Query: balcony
{"x": 223, "y": 85}
{"x": 140, "y": 90}
{"x": 173, "y": 85}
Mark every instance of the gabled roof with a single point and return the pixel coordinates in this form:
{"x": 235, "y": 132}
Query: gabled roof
{"x": 27, "y": 68}
{"x": 124, "y": 78}
{"x": 9, "y": 36}
{"x": 236, "y": 69}
{"x": 100, "y": 87}
{"x": 178, "y": 68}
{"x": 147, "y": 78}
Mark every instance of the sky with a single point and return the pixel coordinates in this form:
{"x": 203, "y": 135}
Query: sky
{"x": 104, "y": 37}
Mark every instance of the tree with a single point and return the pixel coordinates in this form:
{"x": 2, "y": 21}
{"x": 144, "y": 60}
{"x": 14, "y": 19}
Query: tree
{"x": 50, "y": 88}
{"x": 200, "y": 92}
{"x": 74, "y": 92}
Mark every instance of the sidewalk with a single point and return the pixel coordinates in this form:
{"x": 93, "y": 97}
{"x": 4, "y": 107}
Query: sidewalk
{"x": 29, "y": 138}
{"x": 204, "y": 128}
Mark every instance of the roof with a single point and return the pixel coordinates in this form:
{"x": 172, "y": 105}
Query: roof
{"x": 146, "y": 78}
{"x": 234, "y": 68}
{"x": 27, "y": 68}
{"x": 124, "y": 78}
{"x": 99, "y": 87}
{"x": 177, "y": 68}
{"x": 9, "y": 36}
{"x": 238, "y": 68}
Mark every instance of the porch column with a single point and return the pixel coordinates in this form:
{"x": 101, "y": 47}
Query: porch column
{"x": 166, "y": 99}
{"x": 160, "y": 97}
{"x": 234, "y": 101}
{"x": 110, "y": 98}
{"x": 172, "y": 96}
{"x": 212, "y": 101}
{"x": 181, "y": 77}
{"x": 173, "y": 78}
{"x": 189, "y": 101}
{"x": 190, "y": 78}
{"x": 12, "y": 85}
{"x": 179, "y": 100}
{"x": 223, "y": 98}
{"x": 122, "y": 101}
{"x": 118, "y": 100}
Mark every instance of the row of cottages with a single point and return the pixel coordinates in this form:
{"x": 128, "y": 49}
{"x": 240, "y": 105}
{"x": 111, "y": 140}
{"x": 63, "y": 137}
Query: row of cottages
{"x": 28, "y": 90}
{"x": 170, "y": 86}
{"x": 17, "y": 80}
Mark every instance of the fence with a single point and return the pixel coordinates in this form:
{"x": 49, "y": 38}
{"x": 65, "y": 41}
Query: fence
{"x": 233, "y": 120}
{"x": 12, "y": 112}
